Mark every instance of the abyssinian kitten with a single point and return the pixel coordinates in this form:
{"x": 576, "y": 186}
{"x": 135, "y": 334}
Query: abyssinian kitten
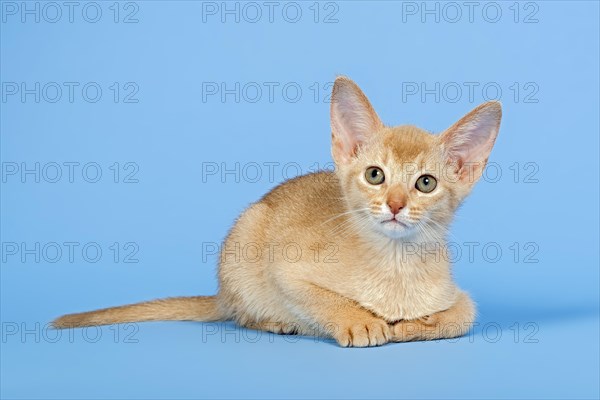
{"x": 354, "y": 254}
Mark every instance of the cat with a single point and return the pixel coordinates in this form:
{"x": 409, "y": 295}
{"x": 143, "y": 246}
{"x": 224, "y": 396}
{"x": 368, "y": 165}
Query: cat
{"x": 355, "y": 254}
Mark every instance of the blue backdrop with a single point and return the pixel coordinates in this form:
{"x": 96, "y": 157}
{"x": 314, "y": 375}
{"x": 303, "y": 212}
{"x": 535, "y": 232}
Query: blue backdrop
{"x": 134, "y": 133}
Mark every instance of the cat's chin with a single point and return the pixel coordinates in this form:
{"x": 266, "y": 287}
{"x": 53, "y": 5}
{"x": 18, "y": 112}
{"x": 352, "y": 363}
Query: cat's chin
{"x": 396, "y": 230}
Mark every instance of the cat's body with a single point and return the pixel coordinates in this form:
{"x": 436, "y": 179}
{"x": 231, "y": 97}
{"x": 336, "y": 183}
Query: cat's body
{"x": 357, "y": 254}
{"x": 271, "y": 250}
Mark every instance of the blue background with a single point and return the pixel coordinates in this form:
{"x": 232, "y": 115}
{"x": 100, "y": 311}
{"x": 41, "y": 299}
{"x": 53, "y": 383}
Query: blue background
{"x": 538, "y": 333}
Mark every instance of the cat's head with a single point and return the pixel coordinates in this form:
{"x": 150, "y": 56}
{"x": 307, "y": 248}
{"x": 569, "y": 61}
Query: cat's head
{"x": 401, "y": 181}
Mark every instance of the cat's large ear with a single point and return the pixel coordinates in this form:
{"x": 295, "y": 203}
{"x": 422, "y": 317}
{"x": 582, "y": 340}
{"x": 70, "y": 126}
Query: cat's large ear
{"x": 353, "y": 119}
{"x": 467, "y": 144}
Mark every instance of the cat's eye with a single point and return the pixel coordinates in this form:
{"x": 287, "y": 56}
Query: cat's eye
{"x": 426, "y": 183}
{"x": 374, "y": 175}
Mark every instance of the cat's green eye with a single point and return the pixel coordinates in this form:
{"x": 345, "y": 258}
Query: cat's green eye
{"x": 374, "y": 175}
{"x": 426, "y": 183}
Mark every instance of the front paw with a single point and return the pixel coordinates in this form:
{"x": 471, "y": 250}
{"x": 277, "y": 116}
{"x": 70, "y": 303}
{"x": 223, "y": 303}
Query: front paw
{"x": 364, "y": 334}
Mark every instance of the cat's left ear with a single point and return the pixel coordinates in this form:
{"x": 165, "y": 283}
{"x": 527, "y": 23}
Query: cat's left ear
{"x": 467, "y": 144}
{"x": 353, "y": 120}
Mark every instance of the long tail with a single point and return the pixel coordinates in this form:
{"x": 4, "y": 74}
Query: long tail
{"x": 198, "y": 308}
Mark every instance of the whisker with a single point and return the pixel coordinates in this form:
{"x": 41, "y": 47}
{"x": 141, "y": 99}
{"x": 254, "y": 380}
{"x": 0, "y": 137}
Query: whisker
{"x": 345, "y": 224}
{"x": 359, "y": 227}
{"x": 445, "y": 229}
{"x": 350, "y": 224}
{"x": 344, "y": 213}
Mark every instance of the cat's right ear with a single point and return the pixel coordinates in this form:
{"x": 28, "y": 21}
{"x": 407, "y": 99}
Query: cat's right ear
{"x": 353, "y": 120}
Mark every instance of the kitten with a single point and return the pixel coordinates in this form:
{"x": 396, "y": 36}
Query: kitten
{"x": 356, "y": 255}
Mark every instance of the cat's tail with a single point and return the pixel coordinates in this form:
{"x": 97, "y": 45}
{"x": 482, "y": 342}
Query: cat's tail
{"x": 198, "y": 308}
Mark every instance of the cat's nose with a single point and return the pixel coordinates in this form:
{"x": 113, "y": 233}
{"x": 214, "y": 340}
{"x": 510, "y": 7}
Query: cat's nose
{"x": 396, "y": 205}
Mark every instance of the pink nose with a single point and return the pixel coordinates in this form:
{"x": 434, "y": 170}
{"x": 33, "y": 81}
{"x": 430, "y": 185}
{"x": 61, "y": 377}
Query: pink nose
{"x": 396, "y": 205}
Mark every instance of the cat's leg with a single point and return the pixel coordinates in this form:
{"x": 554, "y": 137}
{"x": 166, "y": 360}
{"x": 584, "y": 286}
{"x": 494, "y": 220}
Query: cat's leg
{"x": 332, "y": 315}
{"x": 451, "y": 323}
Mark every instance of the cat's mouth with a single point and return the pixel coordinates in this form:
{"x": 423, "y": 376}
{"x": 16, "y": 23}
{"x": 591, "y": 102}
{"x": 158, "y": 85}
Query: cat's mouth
{"x": 394, "y": 222}
{"x": 396, "y": 228}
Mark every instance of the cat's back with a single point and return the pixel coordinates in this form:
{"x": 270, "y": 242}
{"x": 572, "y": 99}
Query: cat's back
{"x": 295, "y": 207}
{"x": 300, "y": 205}
{"x": 305, "y": 194}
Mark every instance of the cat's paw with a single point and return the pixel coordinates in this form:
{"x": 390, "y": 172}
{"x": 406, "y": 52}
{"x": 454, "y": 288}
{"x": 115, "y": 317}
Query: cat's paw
{"x": 430, "y": 320}
{"x": 364, "y": 334}
{"x": 435, "y": 326}
{"x": 408, "y": 330}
